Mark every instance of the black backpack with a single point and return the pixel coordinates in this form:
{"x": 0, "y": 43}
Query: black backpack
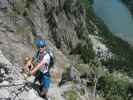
{"x": 50, "y": 51}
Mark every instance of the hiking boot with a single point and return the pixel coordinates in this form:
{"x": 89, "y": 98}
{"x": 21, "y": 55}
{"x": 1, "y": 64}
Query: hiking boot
{"x": 43, "y": 94}
{"x": 45, "y": 97}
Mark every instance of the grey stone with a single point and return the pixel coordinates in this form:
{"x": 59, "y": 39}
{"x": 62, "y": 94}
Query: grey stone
{"x": 3, "y": 59}
{"x": 4, "y": 93}
{"x": 4, "y": 4}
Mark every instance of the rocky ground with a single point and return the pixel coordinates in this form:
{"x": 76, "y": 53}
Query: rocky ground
{"x": 13, "y": 86}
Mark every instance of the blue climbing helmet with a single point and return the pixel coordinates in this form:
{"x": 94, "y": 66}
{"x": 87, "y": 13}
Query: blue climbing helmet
{"x": 40, "y": 43}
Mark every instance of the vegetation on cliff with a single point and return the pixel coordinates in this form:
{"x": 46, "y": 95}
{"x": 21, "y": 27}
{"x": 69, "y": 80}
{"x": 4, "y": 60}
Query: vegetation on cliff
{"x": 122, "y": 62}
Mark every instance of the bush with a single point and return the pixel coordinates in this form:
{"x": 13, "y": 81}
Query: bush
{"x": 112, "y": 86}
{"x": 71, "y": 95}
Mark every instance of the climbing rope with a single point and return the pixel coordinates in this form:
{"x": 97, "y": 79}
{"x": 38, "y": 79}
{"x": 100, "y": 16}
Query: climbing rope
{"x": 15, "y": 84}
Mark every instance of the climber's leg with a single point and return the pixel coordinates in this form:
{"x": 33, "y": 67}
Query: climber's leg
{"x": 45, "y": 86}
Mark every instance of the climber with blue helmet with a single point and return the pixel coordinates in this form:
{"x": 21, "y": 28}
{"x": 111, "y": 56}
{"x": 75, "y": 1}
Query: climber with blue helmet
{"x": 41, "y": 70}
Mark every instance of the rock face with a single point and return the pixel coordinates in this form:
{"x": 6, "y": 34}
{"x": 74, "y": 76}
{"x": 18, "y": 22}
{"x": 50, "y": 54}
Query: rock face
{"x": 6, "y": 77}
{"x": 14, "y": 87}
{"x": 57, "y": 22}
{"x": 60, "y": 21}
{"x": 65, "y": 24}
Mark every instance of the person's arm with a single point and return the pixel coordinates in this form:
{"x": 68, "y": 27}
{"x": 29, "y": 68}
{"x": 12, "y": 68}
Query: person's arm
{"x": 39, "y": 65}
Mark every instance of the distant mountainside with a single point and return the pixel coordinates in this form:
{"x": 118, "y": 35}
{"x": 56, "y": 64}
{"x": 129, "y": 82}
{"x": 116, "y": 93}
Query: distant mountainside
{"x": 129, "y": 4}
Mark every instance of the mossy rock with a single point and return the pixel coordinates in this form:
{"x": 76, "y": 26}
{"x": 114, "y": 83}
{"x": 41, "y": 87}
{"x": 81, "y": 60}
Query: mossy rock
{"x": 71, "y": 95}
{"x": 82, "y": 91}
{"x": 83, "y": 68}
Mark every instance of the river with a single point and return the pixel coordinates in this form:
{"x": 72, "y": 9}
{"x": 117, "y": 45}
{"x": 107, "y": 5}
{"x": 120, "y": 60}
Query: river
{"x": 116, "y": 16}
